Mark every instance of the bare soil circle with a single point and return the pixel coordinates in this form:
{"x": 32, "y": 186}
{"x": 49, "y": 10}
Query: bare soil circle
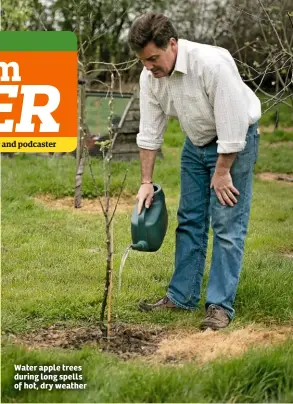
{"x": 271, "y": 128}
{"x": 125, "y": 205}
{"x": 279, "y": 177}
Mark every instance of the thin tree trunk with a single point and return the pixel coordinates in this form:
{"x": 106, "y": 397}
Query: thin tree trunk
{"x": 108, "y": 276}
{"x": 78, "y": 181}
{"x": 80, "y": 152}
{"x": 278, "y": 106}
{"x": 110, "y": 280}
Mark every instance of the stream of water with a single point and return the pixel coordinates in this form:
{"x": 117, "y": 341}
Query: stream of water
{"x": 123, "y": 260}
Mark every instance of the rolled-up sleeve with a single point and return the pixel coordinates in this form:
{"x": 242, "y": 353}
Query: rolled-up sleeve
{"x": 224, "y": 88}
{"x": 153, "y": 121}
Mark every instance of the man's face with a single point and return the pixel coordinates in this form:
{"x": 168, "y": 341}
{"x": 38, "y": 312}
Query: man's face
{"x": 159, "y": 61}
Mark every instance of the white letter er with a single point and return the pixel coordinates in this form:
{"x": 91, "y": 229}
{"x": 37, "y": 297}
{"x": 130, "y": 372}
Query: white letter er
{"x": 44, "y": 112}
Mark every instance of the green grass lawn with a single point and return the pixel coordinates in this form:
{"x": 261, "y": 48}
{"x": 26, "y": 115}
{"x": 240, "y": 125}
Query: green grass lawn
{"x": 49, "y": 275}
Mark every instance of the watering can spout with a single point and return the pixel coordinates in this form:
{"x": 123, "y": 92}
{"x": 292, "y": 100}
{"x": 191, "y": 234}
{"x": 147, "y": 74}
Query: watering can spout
{"x": 140, "y": 246}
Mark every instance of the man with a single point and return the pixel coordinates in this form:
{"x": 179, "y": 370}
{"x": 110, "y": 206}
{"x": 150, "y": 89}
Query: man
{"x": 201, "y": 86}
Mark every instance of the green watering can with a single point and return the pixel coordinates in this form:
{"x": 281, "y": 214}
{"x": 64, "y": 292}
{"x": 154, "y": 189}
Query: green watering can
{"x": 149, "y": 228}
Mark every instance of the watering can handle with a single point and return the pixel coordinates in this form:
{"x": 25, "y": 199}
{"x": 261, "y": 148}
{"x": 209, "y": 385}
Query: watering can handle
{"x": 141, "y": 217}
{"x": 141, "y": 245}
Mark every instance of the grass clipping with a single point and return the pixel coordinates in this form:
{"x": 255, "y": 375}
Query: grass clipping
{"x": 209, "y": 345}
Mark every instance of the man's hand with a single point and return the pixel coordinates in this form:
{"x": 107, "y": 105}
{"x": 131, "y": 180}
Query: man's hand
{"x": 145, "y": 193}
{"x": 224, "y": 188}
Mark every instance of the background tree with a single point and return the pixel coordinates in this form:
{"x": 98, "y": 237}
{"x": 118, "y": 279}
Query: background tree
{"x": 21, "y": 15}
{"x": 261, "y": 41}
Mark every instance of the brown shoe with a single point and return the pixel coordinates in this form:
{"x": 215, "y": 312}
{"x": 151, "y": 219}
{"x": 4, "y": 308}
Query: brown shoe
{"x": 164, "y": 303}
{"x": 216, "y": 318}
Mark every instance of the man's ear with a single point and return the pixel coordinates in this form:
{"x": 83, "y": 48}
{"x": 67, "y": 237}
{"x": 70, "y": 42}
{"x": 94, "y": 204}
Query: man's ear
{"x": 173, "y": 44}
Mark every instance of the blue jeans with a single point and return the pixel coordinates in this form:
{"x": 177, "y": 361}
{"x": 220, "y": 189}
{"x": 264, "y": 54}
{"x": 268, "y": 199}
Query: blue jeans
{"x": 198, "y": 206}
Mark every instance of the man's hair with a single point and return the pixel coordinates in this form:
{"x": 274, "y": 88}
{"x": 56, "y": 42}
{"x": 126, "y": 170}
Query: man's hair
{"x": 151, "y": 27}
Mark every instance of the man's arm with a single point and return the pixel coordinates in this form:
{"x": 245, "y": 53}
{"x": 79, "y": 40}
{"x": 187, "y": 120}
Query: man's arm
{"x": 224, "y": 88}
{"x": 147, "y": 163}
{"x": 146, "y": 190}
{"x": 153, "y": 122}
